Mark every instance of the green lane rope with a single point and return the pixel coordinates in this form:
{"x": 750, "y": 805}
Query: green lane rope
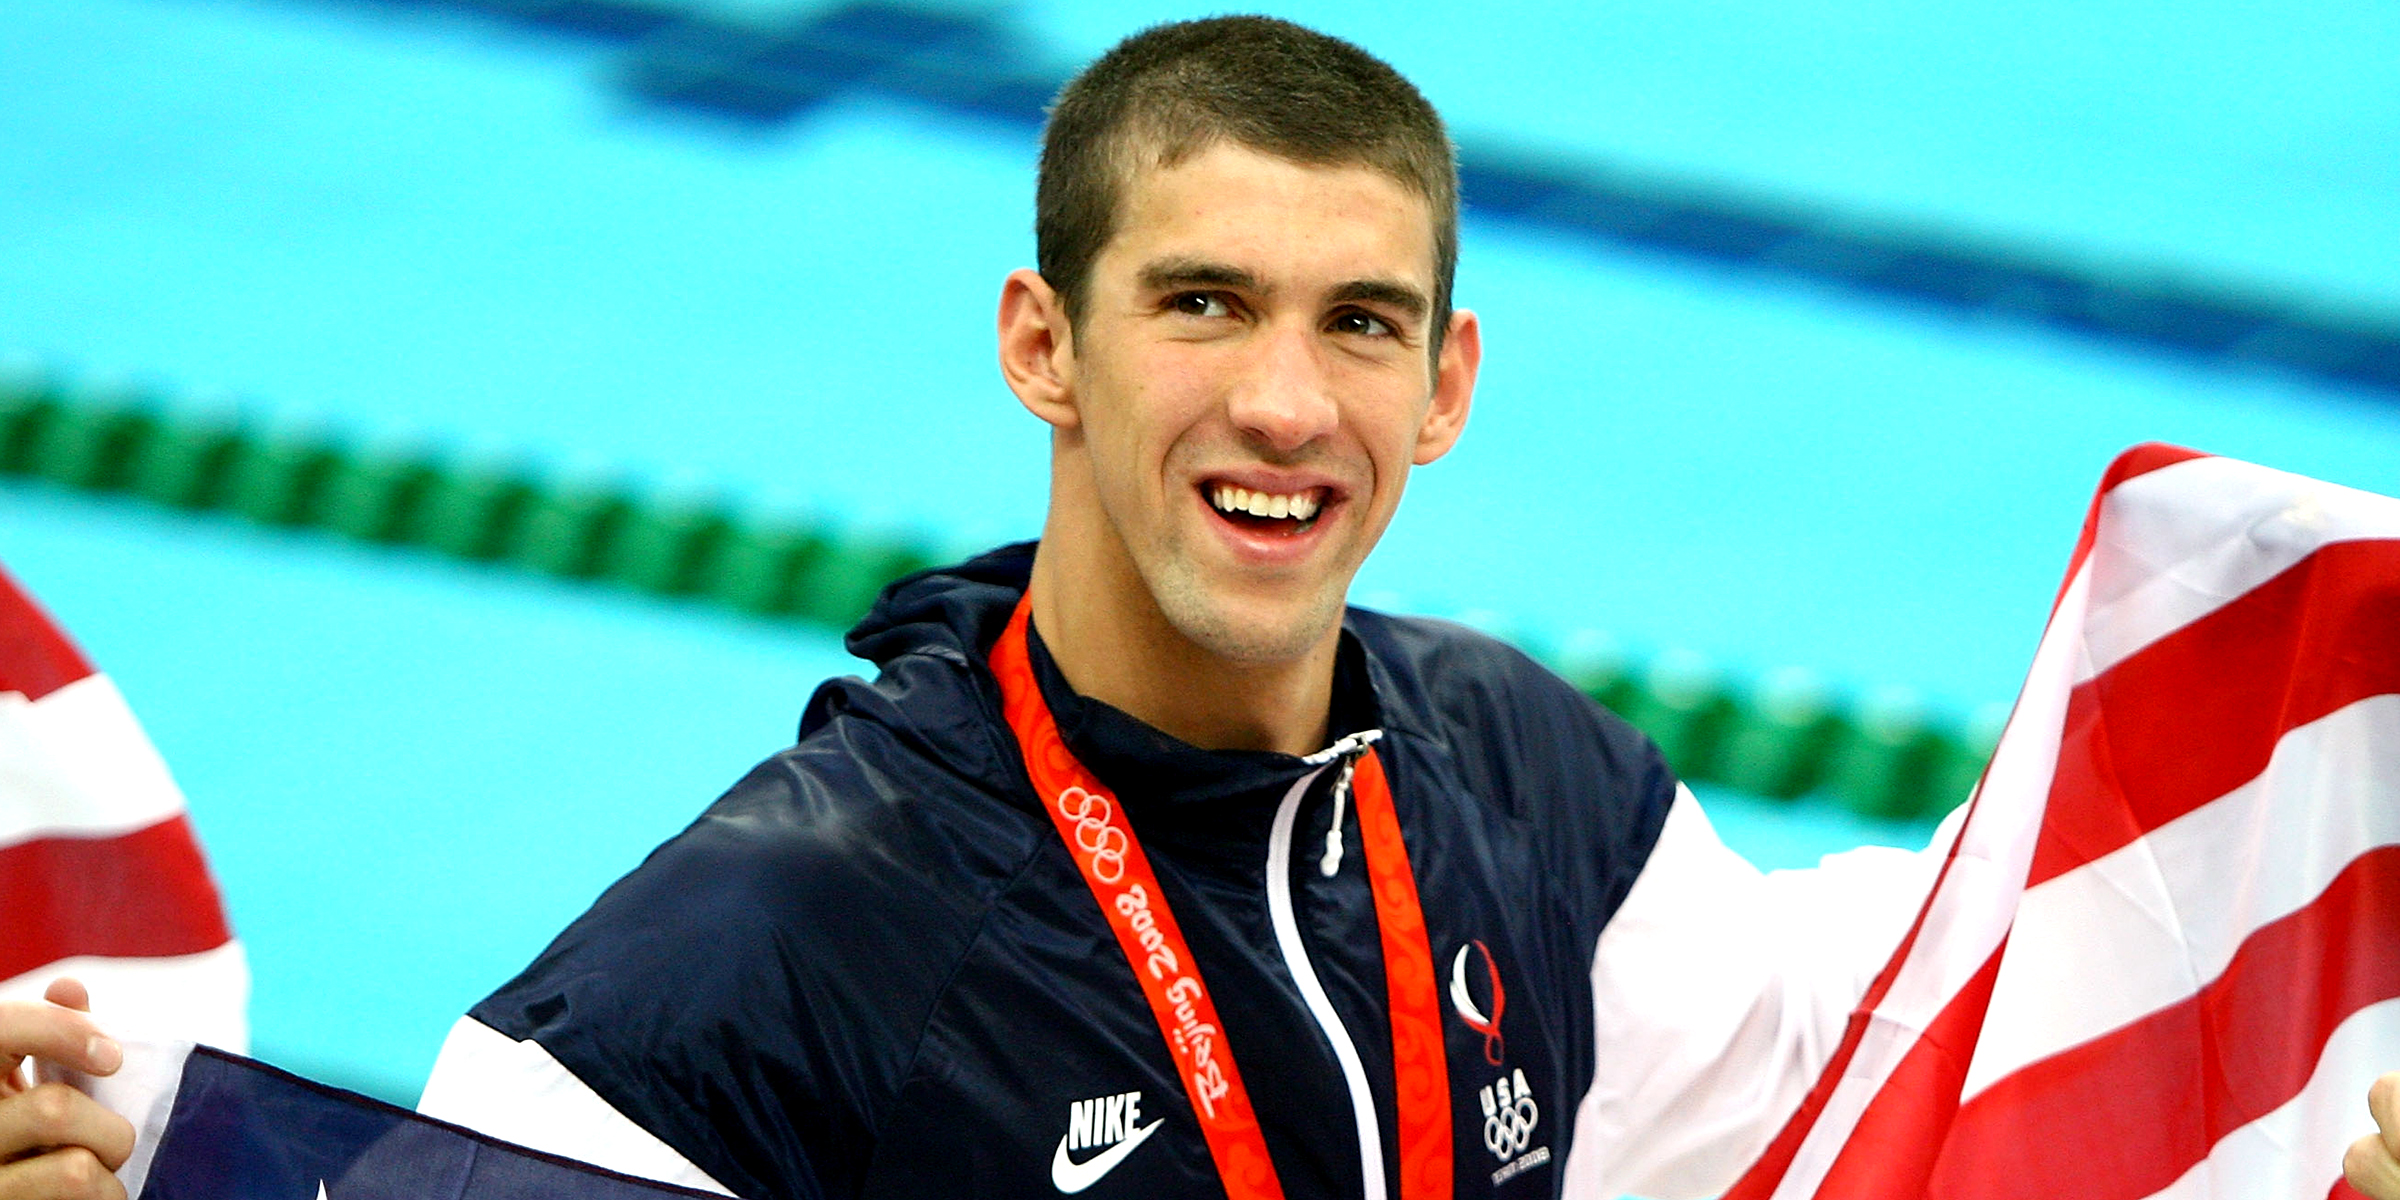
{"x": 1784, "y": 736}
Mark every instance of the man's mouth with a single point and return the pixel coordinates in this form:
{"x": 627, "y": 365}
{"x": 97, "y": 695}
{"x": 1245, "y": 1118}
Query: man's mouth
{"x": 1286, "y": 513}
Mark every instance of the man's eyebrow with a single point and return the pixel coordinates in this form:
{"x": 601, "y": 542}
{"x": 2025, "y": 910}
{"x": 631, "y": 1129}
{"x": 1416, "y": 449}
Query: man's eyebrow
{"x": 1386, "y": 292}
{"x": 1174, "y": 274}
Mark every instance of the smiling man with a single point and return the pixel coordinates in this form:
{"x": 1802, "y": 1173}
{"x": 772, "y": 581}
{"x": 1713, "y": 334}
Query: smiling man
{"x": 1239, "y": 387}
{"x": 1147, "y": 867}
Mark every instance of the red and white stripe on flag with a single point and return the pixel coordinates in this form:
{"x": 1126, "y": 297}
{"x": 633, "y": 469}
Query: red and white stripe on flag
{"x": 100, "y": 876}
{"x": 2163, "y": 959}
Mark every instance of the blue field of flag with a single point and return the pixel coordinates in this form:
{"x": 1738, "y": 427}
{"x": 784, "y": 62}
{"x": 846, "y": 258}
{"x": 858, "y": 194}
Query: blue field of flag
{"x": 242, "y": 1130}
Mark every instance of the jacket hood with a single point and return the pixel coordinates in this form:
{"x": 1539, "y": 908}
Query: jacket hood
{"x": 954, "y": 615}
{"x": 948, "y": 611}
{"x": 928, "y": 636}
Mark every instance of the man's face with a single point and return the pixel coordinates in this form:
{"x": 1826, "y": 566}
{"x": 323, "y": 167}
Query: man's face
{"x": 1251, "y": 380}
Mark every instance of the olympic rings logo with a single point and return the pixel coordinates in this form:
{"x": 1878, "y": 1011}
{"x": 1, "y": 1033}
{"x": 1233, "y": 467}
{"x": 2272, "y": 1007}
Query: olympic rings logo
{"x": 1103, "y": 843}
{"x": 1509, "y": 1128}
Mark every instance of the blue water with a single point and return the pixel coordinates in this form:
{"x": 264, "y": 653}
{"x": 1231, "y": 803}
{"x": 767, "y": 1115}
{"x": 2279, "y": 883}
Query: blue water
{"x": 2215, "y": 139}
{"x": 408, "y": 774}
{"x": 413, "y": 224}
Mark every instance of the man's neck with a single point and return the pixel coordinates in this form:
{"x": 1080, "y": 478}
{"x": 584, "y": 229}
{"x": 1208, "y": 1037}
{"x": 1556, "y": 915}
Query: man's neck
{"x": 1125, "y": 653}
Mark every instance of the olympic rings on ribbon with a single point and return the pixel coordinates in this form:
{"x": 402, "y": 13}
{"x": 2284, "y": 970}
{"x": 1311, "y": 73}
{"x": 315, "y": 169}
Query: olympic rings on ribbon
{"x": 1095, "y": 835}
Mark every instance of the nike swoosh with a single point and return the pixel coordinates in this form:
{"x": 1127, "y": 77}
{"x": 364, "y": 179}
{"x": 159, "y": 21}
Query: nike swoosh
{"x": 1072, "y": 1177}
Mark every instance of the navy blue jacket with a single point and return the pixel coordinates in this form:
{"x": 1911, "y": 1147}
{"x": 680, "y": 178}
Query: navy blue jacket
{"x": 871, "y": 968}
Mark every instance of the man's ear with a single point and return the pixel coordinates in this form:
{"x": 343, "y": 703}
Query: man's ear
{"x": 1037, "y": 351}
{"x": 1453, "y": 387}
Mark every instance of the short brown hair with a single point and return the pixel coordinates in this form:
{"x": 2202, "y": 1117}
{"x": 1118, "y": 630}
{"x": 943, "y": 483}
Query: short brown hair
{"x": 1171, "y": 91}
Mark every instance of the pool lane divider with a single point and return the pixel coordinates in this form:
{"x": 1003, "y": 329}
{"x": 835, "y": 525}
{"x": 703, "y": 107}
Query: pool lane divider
{"x": 480, "y": 509}
{"x": 1783, "y": 736}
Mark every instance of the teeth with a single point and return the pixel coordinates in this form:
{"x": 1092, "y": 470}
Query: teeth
{"x": 1299, "y": 506}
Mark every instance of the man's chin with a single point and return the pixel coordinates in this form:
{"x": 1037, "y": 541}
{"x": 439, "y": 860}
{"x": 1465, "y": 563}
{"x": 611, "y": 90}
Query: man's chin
{"x": 1254, "y": 634}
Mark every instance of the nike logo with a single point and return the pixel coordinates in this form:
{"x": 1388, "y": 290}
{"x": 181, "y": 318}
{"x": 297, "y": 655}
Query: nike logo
{"x": 1072, "y": 1177}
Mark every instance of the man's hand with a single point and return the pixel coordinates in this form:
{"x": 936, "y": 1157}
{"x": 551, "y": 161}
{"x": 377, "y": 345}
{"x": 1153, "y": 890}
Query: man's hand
{"x": 56, "y": 1142}
{"x": 2373, "y": 1163}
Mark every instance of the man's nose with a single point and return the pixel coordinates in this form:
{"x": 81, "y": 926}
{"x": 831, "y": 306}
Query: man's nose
{"x": 1286, "y": 401}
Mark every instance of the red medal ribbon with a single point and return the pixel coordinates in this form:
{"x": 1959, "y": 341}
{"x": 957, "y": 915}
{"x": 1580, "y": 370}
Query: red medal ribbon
{"x": 1101, "y": 841}
{"x": 1420, "y": 1069}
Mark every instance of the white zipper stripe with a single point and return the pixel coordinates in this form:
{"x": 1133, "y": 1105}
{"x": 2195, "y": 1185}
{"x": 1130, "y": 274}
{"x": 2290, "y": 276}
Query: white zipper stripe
{"x": 1295, "y": 958}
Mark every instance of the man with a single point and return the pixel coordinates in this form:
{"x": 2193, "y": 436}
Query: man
{"x": 1146, "y": 868}
{"x": 1171, "y": 958}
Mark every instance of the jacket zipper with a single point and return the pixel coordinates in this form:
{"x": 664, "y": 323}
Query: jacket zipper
{"x": 1295, "y": 954}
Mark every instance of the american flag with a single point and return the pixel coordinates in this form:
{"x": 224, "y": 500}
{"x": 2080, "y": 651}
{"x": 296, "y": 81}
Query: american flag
{"x": 223, "y": 1127}
{"x": 100, "y": 876}
{"x": 2163, "y": 958}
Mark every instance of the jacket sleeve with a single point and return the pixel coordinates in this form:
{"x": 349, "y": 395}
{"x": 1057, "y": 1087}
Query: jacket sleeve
{"x": 1719, "y": 993}
{"x": 750, "y": 998}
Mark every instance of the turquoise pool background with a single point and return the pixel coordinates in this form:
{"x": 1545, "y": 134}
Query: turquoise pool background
{"x": 418, "y": 224}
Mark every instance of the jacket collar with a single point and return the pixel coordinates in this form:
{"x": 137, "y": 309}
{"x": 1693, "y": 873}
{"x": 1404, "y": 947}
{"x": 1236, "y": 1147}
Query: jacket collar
{"x": 958, "y": 612}
{"x": 1146, "y": 765}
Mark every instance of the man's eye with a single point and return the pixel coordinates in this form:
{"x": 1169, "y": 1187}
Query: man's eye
{"x": 1200, "y": 304}
{"x": 1364, "y": 324}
